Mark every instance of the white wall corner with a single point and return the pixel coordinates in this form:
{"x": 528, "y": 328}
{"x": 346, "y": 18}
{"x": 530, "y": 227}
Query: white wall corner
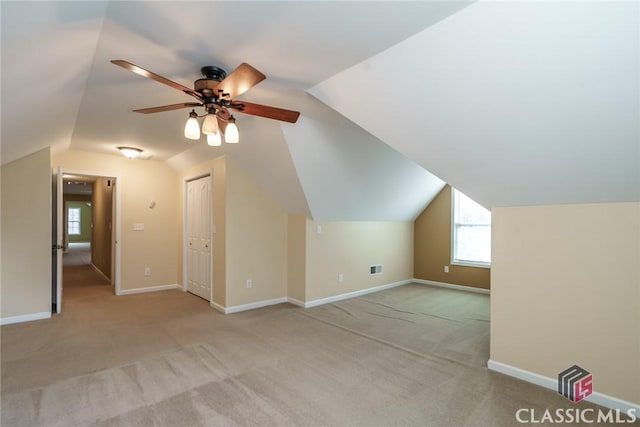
{"x": 552, "y": 384}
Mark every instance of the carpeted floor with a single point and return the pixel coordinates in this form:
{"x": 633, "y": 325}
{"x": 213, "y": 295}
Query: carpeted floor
{"x": 409, "y": 356}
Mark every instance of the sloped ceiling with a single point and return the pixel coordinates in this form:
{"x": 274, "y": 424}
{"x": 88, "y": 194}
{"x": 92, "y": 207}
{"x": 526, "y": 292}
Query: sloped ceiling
{"x": 58, "y": 63}
{"x": 343, "y": 169}
{"x": 513, "y": 103}
{"x": 47, "y": 52}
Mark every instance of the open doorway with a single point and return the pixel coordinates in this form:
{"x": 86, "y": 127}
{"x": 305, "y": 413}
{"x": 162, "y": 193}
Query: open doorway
{"x": 87, "y": 212}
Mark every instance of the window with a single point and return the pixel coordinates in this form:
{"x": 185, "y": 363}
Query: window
{"x": 471, "y": 232}
{"x": 73, "y": 221}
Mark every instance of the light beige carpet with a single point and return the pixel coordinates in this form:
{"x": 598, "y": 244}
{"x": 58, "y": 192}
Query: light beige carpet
{"x": 410, "y": 356}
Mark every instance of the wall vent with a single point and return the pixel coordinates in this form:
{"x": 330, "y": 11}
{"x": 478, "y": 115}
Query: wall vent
{"x": 375, "y": 269}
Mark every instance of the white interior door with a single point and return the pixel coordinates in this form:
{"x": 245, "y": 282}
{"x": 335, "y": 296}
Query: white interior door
{"x": 199, "y": 237}
{"x": 57, "y": 241}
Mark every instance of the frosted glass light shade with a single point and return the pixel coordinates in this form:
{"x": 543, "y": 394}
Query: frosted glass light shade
{"x": 130, "y": 152}
{"x": 210, "y": 124}
{"x": 231, "y": 134}
{"x": 214, "y": 140}
{"x": 192, "y": 127}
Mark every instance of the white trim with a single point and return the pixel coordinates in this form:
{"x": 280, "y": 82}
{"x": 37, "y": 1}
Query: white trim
{"x": 452, "y": 286}
{"x": 149, "y": 289}
{"x": 463, "y": 263}
{"x": 340, "y": 297}
{"x": 25, "y": 318}
{"x": 327, "y": 300}
{"x": 217, "y": 307}
{"x": 552, "y": 384}
{"x": 295, "y": 302}
{"x": 250, "y": 306}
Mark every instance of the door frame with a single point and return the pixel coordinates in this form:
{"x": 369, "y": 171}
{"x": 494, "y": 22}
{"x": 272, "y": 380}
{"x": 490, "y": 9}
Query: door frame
{"x": 185, "y": 233}
{"x": 116, "y": 253}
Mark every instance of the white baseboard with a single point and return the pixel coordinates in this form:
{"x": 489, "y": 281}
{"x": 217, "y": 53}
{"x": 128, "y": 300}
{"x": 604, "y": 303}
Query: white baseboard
{"x": 25, "y": 318}
{"x": 552, "y": 384}
{"x": 340, "y": 297}
{"x": 149, "y": 289}
{"x": 452, "y": 286}
{"x": 295, "y": 302}
{"x": 250, "y": 306}
{"x": 217, "y": 306}
{"x": 327, "y": 300}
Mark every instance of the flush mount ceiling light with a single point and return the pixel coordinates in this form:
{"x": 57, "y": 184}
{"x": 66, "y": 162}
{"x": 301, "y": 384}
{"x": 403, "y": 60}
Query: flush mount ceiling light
{"x": 130, "y": 152}
{"x": 215, "y": 92}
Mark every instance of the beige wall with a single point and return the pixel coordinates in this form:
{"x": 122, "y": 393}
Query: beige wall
{"x": 433, "y": 247}
{"x": 566, "y": 289}
{"x": 217, "y": 169}
{"x": 296, "y": 264}
{"x": 256, "y": 241}
{"x": 139, "y": 182}
{"x": 349, "y": 248}
{"x": 26, "y": 235}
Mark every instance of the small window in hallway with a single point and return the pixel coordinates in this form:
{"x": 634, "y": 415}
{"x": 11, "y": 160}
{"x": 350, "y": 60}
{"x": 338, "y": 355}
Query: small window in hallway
{"x": 73, "y": 221}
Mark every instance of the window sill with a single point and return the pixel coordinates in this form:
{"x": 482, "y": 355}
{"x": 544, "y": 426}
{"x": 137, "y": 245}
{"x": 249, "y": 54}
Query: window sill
{"x": 471, "y": 264}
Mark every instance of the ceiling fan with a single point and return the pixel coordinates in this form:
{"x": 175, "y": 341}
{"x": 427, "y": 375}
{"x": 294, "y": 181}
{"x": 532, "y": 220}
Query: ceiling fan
{"x": 216, "y": 92}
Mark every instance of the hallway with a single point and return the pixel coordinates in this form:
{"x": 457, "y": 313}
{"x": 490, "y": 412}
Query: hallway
{"x": 81, "y": 281}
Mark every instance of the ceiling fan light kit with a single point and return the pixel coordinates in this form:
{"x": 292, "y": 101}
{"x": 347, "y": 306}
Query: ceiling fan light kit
{"x": 231, "y": 134}
{"x": 214, "y": 140}
{"x": 215, "y": 92}
{"x": 210, "y": 123}
{"x": 192, "y": 127}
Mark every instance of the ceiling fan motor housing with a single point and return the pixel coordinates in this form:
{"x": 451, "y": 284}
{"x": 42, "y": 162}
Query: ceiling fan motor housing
{"x": 213, "y": 76}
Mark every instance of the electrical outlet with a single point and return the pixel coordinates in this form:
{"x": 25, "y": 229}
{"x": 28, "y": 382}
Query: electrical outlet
{"x": 147, "y": 271}
{"x": 249, "y": 283}
{"x": 340, "y": 278}
{"x": 446, "y": 268}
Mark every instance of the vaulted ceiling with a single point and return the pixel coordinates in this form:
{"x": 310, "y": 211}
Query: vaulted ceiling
{"x": 514, "y": 103}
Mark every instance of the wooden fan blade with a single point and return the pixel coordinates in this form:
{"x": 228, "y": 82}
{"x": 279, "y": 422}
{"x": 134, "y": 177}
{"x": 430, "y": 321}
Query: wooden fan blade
{"x": 168, "y": 107}
{"x": 266, "y": 111}
{"x": 153, "y": 76}
{"x": 240, "y": 80}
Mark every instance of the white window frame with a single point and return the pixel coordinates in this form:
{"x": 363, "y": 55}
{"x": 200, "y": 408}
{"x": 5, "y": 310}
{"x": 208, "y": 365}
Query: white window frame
{"x": 455, "y": 261}
{"x": 79, "y": 221}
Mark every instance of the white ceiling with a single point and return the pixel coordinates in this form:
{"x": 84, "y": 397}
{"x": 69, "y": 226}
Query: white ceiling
{"x": 514, "y": 103}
